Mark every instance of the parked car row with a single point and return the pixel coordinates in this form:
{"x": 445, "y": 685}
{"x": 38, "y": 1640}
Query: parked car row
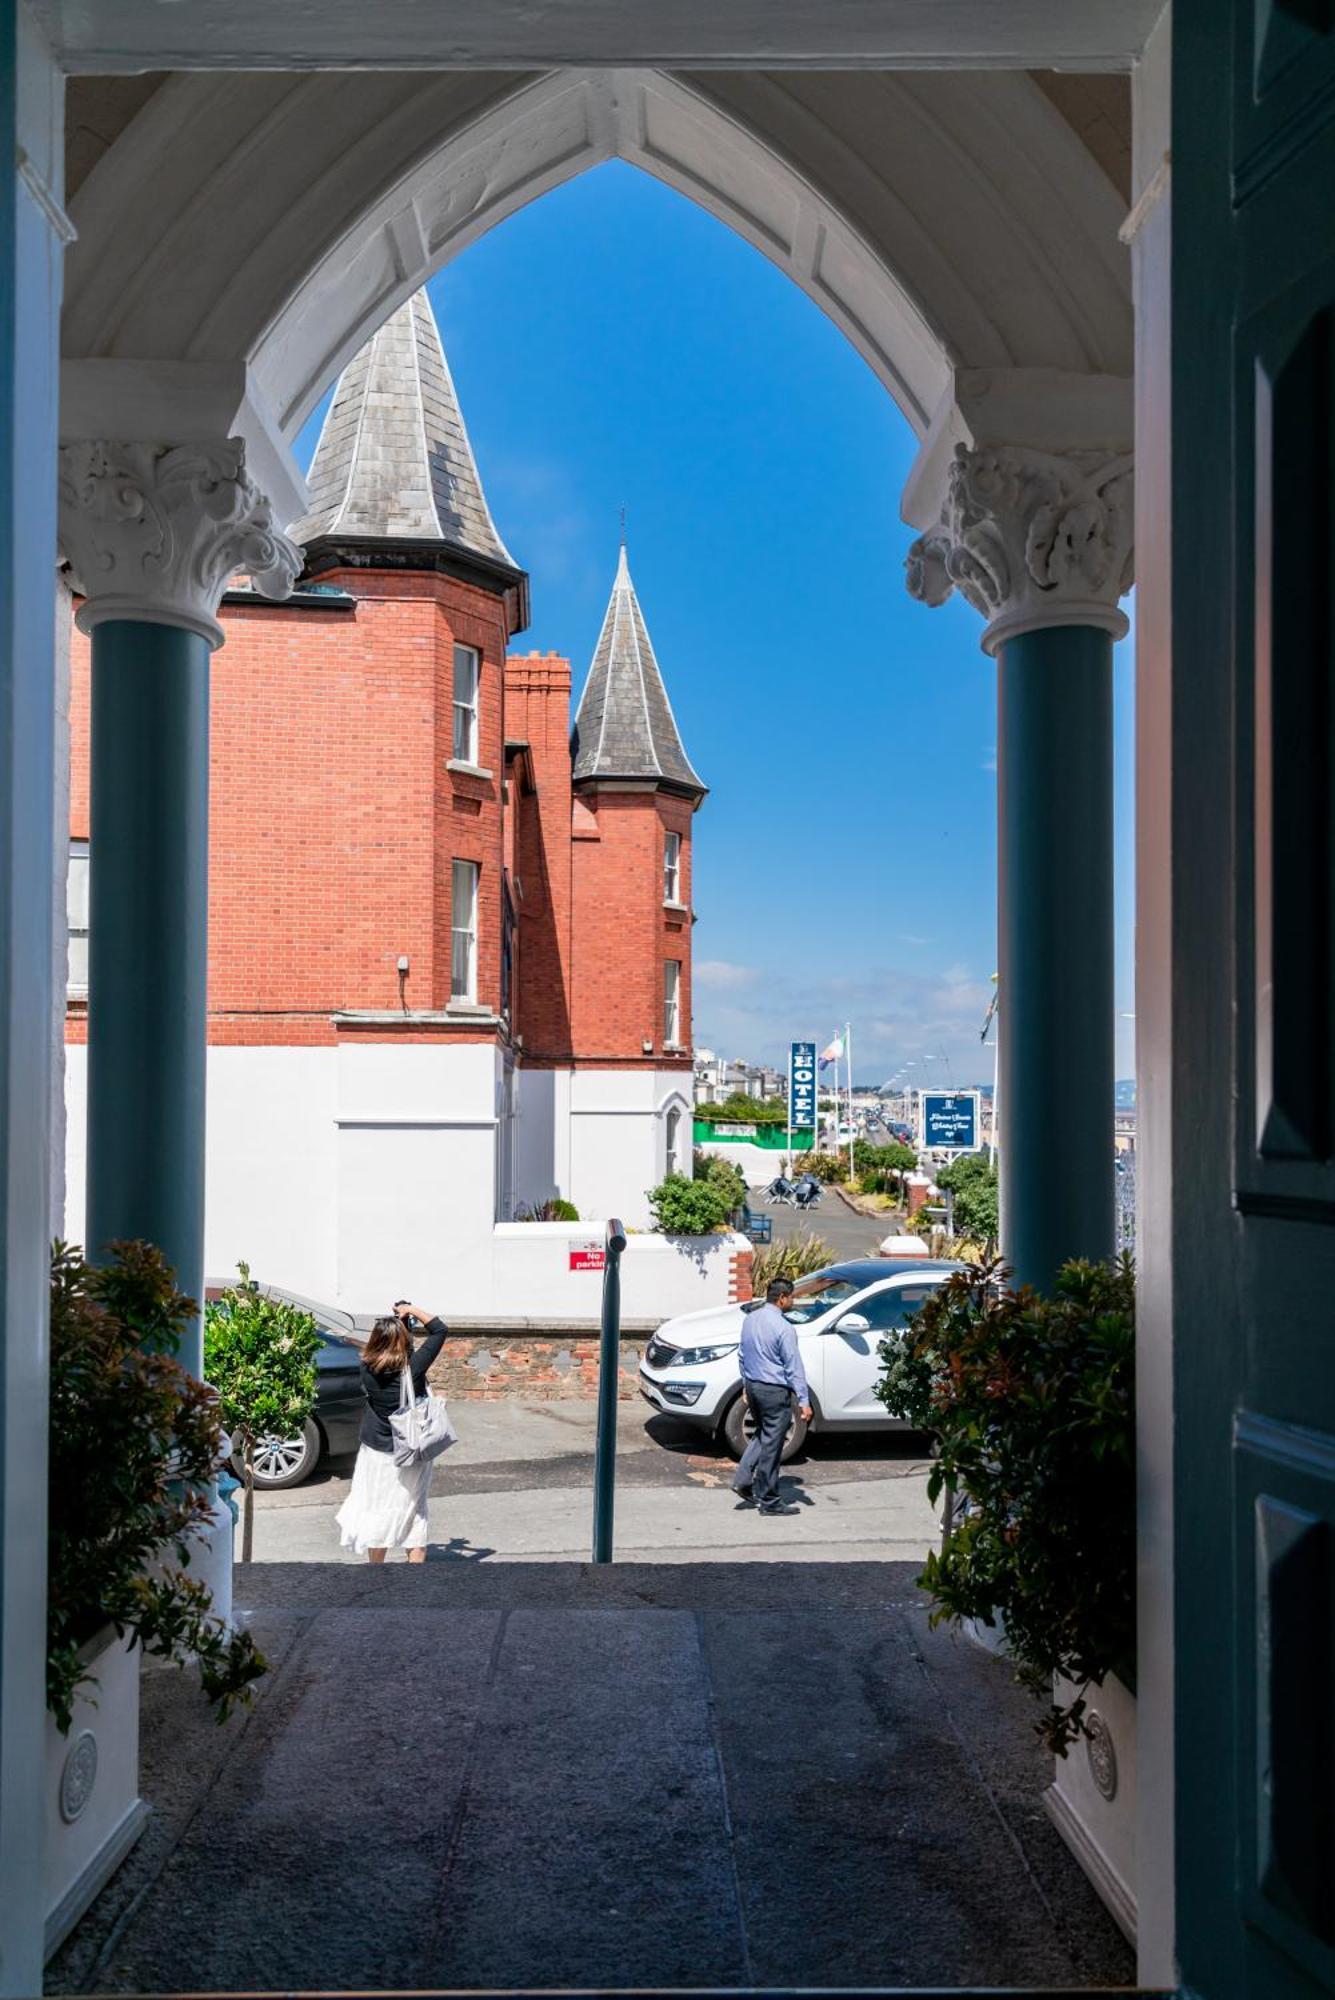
{"x": 690, "y": 1368}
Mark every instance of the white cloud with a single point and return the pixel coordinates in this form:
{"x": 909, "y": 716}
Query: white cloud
{"x": 719, "y": 975}
{"x": 895, "y": 1014}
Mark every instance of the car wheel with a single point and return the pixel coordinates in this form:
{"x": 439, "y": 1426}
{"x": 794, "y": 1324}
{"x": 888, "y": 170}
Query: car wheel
{"x": 286, "y": 1461}
{"x": 738, "y": 1431}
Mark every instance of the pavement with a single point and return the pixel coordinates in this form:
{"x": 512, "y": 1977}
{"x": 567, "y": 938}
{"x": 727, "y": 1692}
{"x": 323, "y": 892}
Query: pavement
{"x": 518, "y": 1487}
{"x": 493, "y": 1775}
{"x": 739, "y": 1756}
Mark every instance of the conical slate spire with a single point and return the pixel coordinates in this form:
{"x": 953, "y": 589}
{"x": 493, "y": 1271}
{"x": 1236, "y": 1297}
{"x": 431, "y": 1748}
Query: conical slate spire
{"x": 394, "y": 462}
{"x": 624, "y": 727}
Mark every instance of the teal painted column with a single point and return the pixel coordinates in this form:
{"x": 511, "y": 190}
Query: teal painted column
{"x": 1055, "y": 939}
{"x": 148, "y": 944}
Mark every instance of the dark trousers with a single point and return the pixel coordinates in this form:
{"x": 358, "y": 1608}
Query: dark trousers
{"x": 771, "y": 1407}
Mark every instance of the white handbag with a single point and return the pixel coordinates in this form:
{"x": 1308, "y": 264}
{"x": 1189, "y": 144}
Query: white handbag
{"x": 420, "y": 1427}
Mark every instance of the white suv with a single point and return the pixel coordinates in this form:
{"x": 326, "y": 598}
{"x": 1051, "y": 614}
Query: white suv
{"x": 842, "y": 1314}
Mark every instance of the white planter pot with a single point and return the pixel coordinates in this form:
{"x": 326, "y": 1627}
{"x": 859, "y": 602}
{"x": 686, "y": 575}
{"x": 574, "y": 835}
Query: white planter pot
{"x": 992, "y": 1638}
{"x": 211, "y": 1561}
{"x": 93, "y": 1811}
{"x": 1092, "y": 1799}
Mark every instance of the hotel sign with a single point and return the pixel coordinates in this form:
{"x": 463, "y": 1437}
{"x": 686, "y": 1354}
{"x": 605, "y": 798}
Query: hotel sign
{"x": 948, "y": 1121}
{"x": 802, "y": 1087}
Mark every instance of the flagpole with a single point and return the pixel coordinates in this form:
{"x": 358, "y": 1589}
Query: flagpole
{"x": 836, "y": 1107}
{"x": 848, "y": 1056}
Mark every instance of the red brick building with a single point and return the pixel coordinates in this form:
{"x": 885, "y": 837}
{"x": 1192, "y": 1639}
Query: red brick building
{"x": 449, "y": 953}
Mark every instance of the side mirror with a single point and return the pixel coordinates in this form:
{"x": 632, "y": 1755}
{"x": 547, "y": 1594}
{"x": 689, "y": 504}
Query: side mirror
{"x": 852, "y": 1323}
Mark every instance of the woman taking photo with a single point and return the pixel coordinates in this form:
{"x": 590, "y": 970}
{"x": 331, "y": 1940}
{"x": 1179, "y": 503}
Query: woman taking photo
{"x": 386, "y": 1508}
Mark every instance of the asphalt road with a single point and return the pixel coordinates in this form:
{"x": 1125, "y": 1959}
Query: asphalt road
{"x": 519, "y": 1486}
{"x": 847, "y": 1233}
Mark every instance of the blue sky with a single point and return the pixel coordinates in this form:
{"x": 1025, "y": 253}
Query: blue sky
{"x": 613, "y": 345}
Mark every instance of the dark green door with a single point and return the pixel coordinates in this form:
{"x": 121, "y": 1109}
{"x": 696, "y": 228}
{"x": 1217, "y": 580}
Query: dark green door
{"x": 1254, "y": 991}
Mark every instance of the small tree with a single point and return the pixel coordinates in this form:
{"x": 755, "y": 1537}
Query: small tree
{"x": 687, "y": 1208}
{"x": 259, "y": 1354}
{"x": 722, "y": 1174}
{"x": 876, "y": 1165}
{"x": 972, "y": 1184}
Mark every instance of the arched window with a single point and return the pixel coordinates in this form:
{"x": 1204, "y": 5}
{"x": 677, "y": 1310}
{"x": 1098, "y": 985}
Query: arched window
{"x": 674, "y": 1159}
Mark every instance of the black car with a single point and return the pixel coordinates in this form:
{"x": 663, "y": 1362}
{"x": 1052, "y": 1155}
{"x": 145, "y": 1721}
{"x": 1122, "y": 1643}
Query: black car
{"x": 332, "y": 1427}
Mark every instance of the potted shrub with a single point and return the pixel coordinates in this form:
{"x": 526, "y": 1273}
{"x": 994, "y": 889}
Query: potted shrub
{"x": 259, "y": 1358}
{"x": 134, "y": 1445}
{"x": 1032, "y": 1404}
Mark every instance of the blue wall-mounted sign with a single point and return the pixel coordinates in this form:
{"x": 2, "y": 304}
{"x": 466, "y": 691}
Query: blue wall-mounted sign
{"x": 948, "y": 1121}
{"x": 802, "y": 1086}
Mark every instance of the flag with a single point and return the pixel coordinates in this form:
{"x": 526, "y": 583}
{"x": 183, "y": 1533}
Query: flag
{"x": 835, "y": 1052}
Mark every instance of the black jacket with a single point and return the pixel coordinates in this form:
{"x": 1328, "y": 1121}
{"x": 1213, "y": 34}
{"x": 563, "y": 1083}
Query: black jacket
{"x": 382, "y": 1391}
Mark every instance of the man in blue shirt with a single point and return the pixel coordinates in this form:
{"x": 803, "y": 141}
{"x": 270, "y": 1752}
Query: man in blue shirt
{"x": 772, "y": 1375}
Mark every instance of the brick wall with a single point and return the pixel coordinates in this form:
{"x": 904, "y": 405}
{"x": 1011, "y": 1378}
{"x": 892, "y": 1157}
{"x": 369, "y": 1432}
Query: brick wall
{"x": 333, "y": 818}
{"x": 623, "y": 932}
{"x": 537, "y": 698}
{"x": 490, "y": 1367}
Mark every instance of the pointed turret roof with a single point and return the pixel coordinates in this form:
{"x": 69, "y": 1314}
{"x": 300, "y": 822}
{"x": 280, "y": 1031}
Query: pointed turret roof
{"x": 624, "y": 727}
{"x": 394, "y": 463}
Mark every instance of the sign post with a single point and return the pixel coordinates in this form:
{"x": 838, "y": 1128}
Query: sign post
{"x": 609, "y": 1373}
{"x": 948, "y": 1121}
{"x": 801, "y": 1091}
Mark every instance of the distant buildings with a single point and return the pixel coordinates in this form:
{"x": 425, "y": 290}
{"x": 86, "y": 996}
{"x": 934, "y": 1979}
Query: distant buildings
{"x": 716, "y": 1080}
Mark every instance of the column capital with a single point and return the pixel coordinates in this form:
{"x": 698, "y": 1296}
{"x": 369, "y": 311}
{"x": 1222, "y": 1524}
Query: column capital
{"x": 1030, "y": 538}
{"x": 154, "y": 531}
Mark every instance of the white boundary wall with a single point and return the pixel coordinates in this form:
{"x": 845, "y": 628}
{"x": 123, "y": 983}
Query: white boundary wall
{"x": 368, "y": 1172}
{"x": 758, "y": 1163}
{"x": 660, "y": 1275}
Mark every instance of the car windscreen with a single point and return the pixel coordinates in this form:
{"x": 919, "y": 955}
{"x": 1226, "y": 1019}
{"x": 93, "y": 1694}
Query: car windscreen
{"x": 337, "y": 1349}
{"x": 814, "y": 1296}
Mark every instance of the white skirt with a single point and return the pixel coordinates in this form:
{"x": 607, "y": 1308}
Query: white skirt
{"x": 386, "y": 1508}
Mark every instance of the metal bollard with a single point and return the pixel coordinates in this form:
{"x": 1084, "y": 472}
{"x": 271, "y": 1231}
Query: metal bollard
{"x": 609, "y": 1371}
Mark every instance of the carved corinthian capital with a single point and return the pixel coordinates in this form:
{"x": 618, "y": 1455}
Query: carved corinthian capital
{"x": 153, "y": 531}
{"x": 1030, "y": 538}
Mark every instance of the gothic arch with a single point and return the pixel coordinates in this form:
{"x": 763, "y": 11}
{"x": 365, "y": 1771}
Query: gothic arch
{"x": 943, "y": 221}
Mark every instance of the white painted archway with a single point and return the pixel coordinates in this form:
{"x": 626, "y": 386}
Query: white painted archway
{"x": 275, "y": 220}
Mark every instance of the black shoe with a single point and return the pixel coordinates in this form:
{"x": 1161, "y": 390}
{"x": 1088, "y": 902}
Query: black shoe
{"x": 780, "y": 1507}
{"x": 742, "y": 1492}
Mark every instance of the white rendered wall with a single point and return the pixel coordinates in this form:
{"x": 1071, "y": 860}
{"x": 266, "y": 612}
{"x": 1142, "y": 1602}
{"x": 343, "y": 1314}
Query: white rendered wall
{"x": 269, "y": 1180}
{"x": 416, "y": 1175}
{"x": 365, "y": 1173}
{"x": 270, "y": 1164}
{"x": 76, "y": 1143}
{"x": 618, "y": 1138}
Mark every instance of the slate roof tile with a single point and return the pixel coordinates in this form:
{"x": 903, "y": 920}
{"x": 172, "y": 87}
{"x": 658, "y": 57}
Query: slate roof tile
{"x": 394, "y": 458}
{"x": 624, "y": 726}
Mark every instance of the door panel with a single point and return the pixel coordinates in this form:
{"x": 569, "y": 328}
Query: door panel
{"x": 849, "y": 1364}
{"x": 1253, "y": 1195}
